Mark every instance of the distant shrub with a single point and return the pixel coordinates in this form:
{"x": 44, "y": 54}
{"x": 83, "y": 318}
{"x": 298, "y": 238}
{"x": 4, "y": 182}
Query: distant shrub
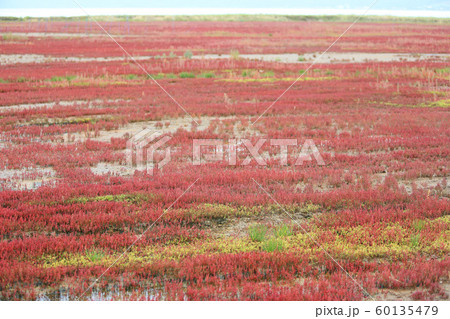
{"x": 129, "y": 198}
{"x": 208, "y": 75}
{"x": 187, "y": 75}
{"x": 301, "y": 58}
{"x": 442, "y": 71}
{"x": 234, "y": 54}
{"x": 62, "y": 78}
{"x": 10, "y": 37}
{"x": 188, "y": 54}
{"x": 131, "y": 76}
{"x": 156, "y": 76}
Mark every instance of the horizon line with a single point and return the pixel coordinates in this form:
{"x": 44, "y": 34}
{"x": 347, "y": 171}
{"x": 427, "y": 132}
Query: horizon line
{"x": 76, "y": 12}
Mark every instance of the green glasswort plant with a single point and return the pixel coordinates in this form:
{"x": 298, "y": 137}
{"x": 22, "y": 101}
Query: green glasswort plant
{"x": 95, "y": 255}
{"x": 415, "y": 241}
{"x": 272, "y": 244}
{"x": 283, "y": 231}
{"x": 257, "y": 232}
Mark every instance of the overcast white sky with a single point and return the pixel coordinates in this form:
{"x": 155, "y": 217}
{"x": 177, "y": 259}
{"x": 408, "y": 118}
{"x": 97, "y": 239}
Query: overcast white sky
{"x": 436, "y": 8}
{"x": 313, "y": 4}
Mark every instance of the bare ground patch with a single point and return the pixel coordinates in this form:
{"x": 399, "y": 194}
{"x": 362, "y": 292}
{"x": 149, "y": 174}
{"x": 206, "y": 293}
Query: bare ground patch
{"x": 329, "y": 57}
{"x": 26, "y": 178}
{"x": 238, "y": 227}
{"x": 332, "y": 57}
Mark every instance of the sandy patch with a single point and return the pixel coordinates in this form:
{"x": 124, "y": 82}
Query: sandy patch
{"x": 238, "y": 227}
{"x": 333, "y": 57}
{"x": 6, "y": 59}
{"x": 63, "y": 34}
{"x": 25, "y": 178}
{"x": 112, "y": 169}
{"x": 19, "y": 107}
{"x": 329, "y": 57}
{"x": 168, "y": 126}
{"x": 164, "y": 127}
{"x": 426, "y": 183}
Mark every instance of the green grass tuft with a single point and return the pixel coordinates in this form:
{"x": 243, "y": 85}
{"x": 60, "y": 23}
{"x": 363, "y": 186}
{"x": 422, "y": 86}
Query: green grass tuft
{"x": 283, "y": 231}
{"x": 273, "y": 244}
{"x": 188, "y": 54}
{"x": 257, "y": 232}
{"x": 415, "y": 241}
{"x": 187, "y": 75}
{"x": 95, "y": 255}
{"x": 208, "y": 75}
